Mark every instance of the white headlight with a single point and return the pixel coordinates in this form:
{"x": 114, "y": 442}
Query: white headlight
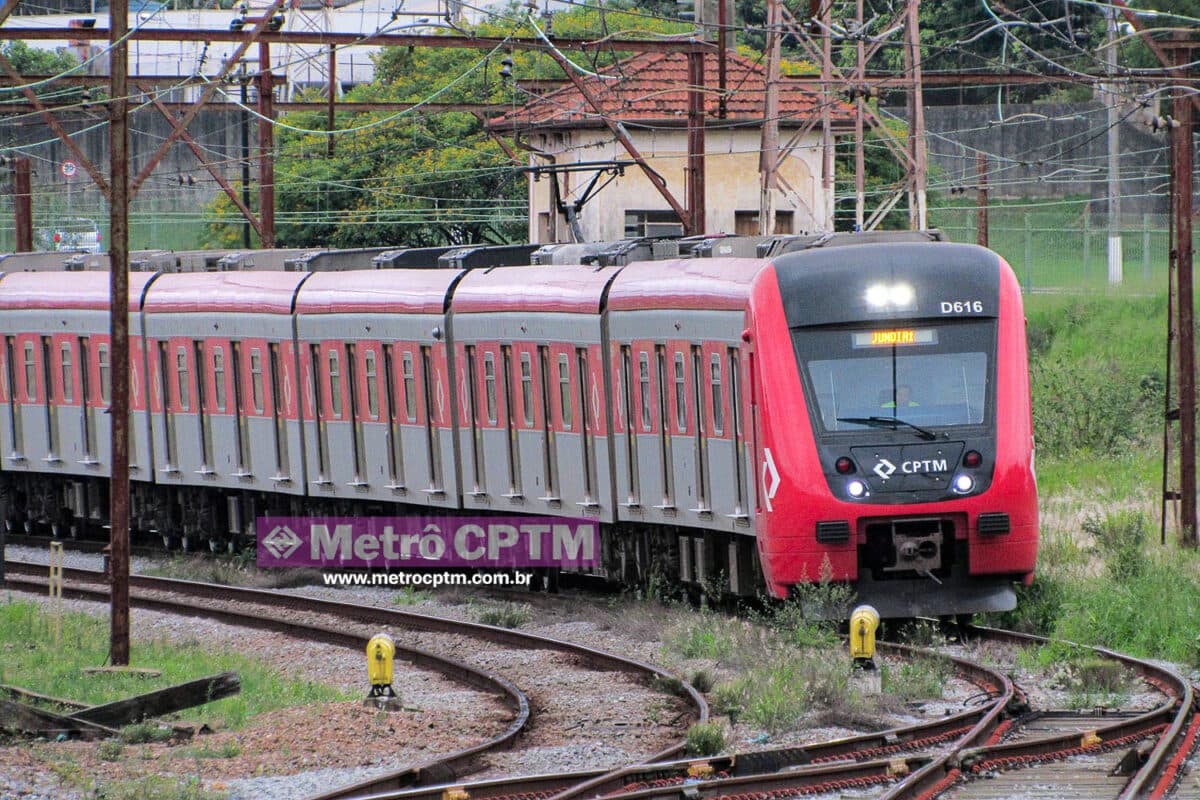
{"x": 901, "y": 295}
{"x": 963, "y": 483}
{"x": 877, "y": 295}
{"x": 856, "y": 488}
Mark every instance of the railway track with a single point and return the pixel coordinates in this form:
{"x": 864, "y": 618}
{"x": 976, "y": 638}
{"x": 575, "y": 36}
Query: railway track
{"x": 264, "y": 609}
{"x": 991, "y": 751}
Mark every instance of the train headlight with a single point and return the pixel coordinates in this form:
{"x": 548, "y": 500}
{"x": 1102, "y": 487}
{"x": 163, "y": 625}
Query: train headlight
{"x": 856, "y": 489}
{"x": 890, "y": 296}
{"x": 963, "y": 483}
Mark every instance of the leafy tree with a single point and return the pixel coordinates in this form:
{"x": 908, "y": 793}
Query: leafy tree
{"x": 32, "y": 61}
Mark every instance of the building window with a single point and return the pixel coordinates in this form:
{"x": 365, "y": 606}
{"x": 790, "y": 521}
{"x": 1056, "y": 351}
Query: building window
{"x": 652, "y": 223}
{"x": 745, "y": 223}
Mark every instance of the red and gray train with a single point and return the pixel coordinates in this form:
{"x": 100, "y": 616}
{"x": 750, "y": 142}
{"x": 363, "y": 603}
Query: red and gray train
{"x": 856, "y": 410}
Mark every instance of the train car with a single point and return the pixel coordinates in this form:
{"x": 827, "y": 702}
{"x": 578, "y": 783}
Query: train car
{"x": 893, "y": 425}
{"x": 855, "y": 409}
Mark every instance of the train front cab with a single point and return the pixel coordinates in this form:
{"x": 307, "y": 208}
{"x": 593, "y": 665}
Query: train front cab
{"x": 934, "y": 517}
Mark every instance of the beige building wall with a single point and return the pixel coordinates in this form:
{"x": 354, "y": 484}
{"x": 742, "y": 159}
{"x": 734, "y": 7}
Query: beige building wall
{"x": 731, "y": 181}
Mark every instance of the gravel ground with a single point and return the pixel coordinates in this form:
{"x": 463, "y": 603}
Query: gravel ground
{"x": 586, "y": 733}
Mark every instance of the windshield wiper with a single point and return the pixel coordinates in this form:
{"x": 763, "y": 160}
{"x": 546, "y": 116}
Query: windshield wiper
{"x": 889, "y": 422}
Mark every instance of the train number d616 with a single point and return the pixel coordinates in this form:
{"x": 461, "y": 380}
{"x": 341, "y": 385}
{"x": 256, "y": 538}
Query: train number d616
{"x": 962, "y": 306}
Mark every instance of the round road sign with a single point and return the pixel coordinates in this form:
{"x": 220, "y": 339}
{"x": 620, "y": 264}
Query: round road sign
{"x": 69, "y": 169}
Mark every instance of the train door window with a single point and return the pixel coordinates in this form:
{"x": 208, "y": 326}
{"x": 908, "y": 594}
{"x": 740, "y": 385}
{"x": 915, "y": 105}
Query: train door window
{"x": 105, "y": 371}
{"x": 701, "y": 431}
{"x": 51, "y": 409}
{"x": 680, "y": 394}
{"x": 319, "y": 412}
{"x": 30, "y": 373}
{"x": 256, "y": 379}
{"x": 581, "y": 355}
{"x": 372, "y": 384}
{"x": 335, "y": 385}
{"x": 239, "y": 411}
{"x": 473, "y": 412}
{"x": 87, "y": 426}
{"x": 432, "y": 434}
{"x": 549, "y": 451}
{"x": 527, "y": 389}
{"x": 10, "y": 377}
{"x": 395, "y": 444}
{"x": 164, "y": 389}
{"x": 356, "y": 443}
{"x": 666, "y": 470}
{"x": 181, "y": 373}
{"x": 510, "y": 423}
{"x": 219, "y": 377}
{"x": 201, "y": 408}
{"x": 68, "y": 376}
{"x": 630, "y": 439}
{"x": 489, "y": 384}
{"x": 735, "y": 428}
{"x": 278, "y": 411}
{"x": 410, "y": 388}
{"x": 718, "y": 405}
{"x": 564, "y": 389}
{"x": 644, "y": 380}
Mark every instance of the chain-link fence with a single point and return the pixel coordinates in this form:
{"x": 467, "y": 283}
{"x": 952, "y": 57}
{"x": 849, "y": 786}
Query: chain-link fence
{"x": 1066, "y": 248}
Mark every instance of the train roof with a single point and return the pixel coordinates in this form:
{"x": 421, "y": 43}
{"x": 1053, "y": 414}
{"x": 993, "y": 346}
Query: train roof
{"x": 410, "y": 291}
{"x": 685, "y": 283}
{"x": 239, "y": 292}
{"x": 66, "y": 290}
{"x": 570, "y": 289}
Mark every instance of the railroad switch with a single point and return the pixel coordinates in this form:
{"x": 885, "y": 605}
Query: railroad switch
{"x": 381, "y": 654}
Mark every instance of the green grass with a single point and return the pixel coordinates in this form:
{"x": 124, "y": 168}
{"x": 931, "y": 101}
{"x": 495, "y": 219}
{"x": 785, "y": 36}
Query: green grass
{"x": 705, "y": 739}
{"x": 30, "y": 658}
{"x": 506, "y": 615}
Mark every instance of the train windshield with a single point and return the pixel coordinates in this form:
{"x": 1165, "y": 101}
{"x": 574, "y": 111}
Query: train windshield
{"x": 913, "y": 377}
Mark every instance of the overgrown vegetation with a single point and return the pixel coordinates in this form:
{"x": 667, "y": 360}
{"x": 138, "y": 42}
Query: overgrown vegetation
{"x": 506, "y": 615}
{"x": 705, "y": 739}
{"x": 34, "y": 660}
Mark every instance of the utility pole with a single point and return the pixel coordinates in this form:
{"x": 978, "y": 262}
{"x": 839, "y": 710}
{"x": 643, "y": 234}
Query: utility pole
{"x": 918, "y": 217}
{"x": 1181, "y": 189}
{"x": 244, "y": 80}
{"x": 981, "y": 215}
{"x": 1115, "y": 267}
{"x": 22, "y": 204}
{"x": 860, "y": 156}
{"x": 119, "y": 330}
{"x": 266, "y": 146}
{"x": 768, "y": 156}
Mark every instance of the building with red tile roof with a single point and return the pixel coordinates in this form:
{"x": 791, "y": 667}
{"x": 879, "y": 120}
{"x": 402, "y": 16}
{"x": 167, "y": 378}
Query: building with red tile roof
{"x": 648, "y": 94}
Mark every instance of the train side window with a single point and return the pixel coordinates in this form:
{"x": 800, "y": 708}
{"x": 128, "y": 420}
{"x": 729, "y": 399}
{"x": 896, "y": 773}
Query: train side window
{"x": 410, "y": 388}
{"x": 680, "y": 395}
{"x": 644, "y": 378}
{"x": 718, "y": 413}
{"x": 372, "y": 386}
{"x": 103, "y": 363}
{"x": 489, "y": 382}
{"x": 527, "y": 388}
{"x": 335, "y": 384}
{"x": 256, "y": 379}
{"x": 181, "y": 373}
{"x": 219, "y": 377}
{"x": 30, "y": 373}
{"x": 47, "y": 375}
{"x": 564, "y": 389}
{"x": 68, "y": 376}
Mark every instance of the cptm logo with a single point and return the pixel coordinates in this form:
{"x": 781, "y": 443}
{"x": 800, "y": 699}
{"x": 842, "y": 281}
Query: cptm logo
{"x": 282, "y": 541}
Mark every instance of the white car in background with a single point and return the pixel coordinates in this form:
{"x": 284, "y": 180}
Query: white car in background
{"x": 74, "y": 235}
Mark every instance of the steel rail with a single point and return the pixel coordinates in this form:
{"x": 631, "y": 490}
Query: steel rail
{"x": 811, "y": 765}
{"x": 1171, "y": 717}
{"x": 439, "y": 769}
{"x": 402, "y": 619}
